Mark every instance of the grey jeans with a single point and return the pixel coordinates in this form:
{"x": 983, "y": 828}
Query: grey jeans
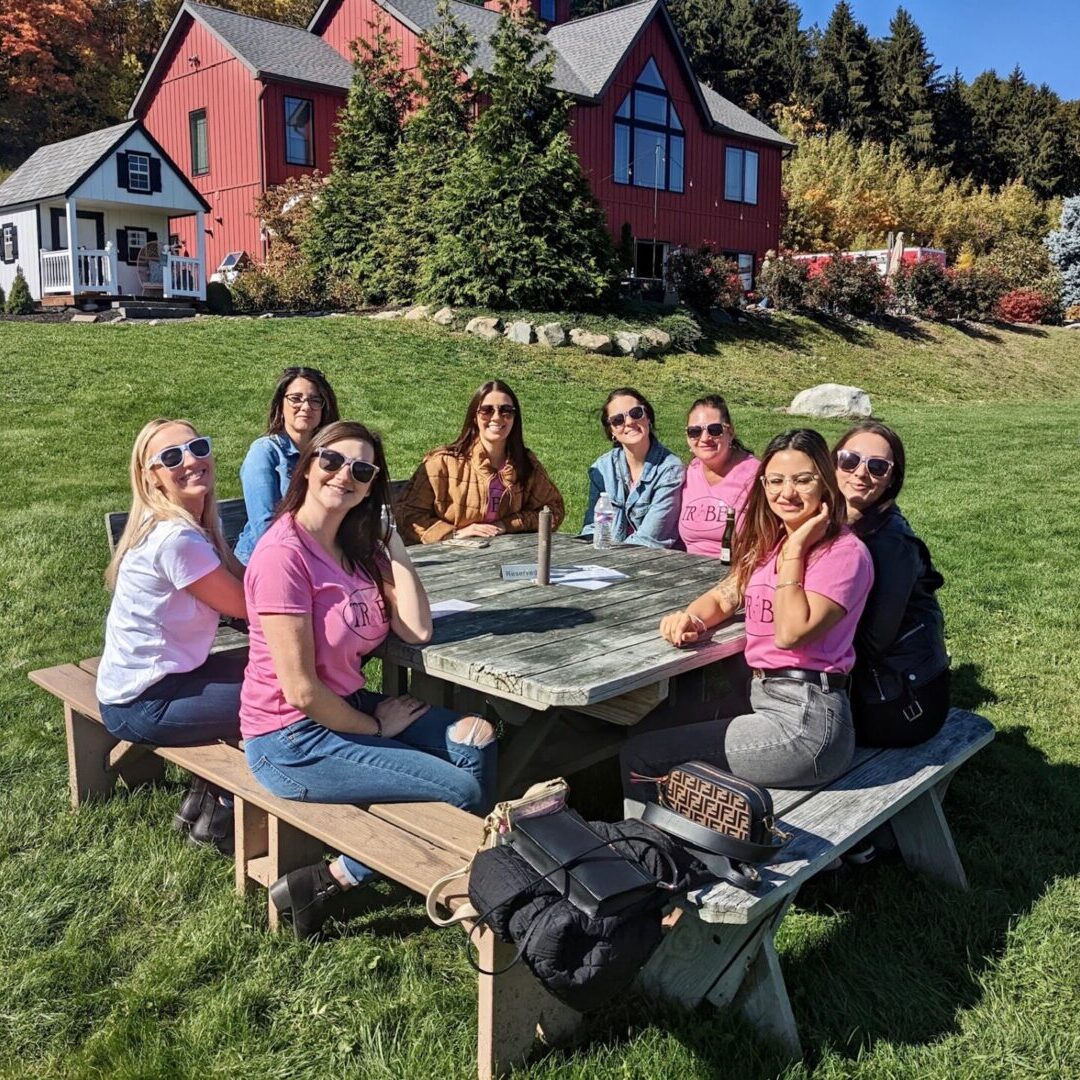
{"x": 797, "y": 736}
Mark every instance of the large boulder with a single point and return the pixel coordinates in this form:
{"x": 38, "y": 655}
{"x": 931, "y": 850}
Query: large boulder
{"x": 656, "y": 341}
{"x": 590, "y": 342}
{"x": 382, "y": 316}
{"x": 521, "y": 332}
{"x": 443, "y": 317}
{"x": 831, "y": 399}
{"x": 552, "y": 334}
{"x": 419, "y": 311}
{"x": 485, "y": 327}
{"x": 628, "y": 344}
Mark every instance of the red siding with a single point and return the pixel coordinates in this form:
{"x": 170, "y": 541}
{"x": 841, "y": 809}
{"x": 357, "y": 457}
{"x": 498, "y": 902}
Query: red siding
{"x": 326, "y": 103}
{"x": 354, "y": 18}
{"x": 700, "y": 214}
{"x": 562, "y": 9}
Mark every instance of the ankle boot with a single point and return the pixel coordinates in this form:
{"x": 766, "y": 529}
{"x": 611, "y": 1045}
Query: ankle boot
{"x": 191, "y": 807}
{"x": 302, "y": 897}
{"x": 214, "y": 825}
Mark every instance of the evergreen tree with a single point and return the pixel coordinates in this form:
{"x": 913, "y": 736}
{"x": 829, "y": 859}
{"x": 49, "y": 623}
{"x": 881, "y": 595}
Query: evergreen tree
{"x": 908, "y": 82}
{"x": 19, "y": 301}
{"x": 846, "y": 76}
{"x": 952, "y": 126}
{"x": 989, "y": 107}
{"x": 516, "y": 221}
{"x": 1064, "y": 247}
{"x": 350, "y": 209}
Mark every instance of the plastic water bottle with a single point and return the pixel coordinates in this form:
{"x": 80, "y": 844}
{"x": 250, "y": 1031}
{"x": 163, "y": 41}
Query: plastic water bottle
{"x": 603, "y": 522}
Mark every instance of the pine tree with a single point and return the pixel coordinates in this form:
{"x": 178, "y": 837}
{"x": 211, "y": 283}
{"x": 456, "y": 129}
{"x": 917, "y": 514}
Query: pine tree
{"x": 517, "y": 223}
{"x": 351, "y": 210}
{"x": 908, "y": 82}
{"x": 1064, "y": 247}
{"x": 19, "y": 301}
{"x": 952, "y": 126}
{"x": 845, "y": 76}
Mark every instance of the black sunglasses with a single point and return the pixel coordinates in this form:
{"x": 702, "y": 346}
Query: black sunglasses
{"x": 486, "y": 412}
{"x": 877, "y": 467}
{"x": 363, "y": 472}
{"x": 694, "y": 431}
{"x": 619, "y": 419}
{"x": 172, "y": 457}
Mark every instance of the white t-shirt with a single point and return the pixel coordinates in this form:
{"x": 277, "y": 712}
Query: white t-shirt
{"x": 154, "y": 627}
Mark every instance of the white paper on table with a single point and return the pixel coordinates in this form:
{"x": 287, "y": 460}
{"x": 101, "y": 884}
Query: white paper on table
{"x": 448, "y": 607}
{"x": 590, "y": 571}
{"x": 583, "y": 583}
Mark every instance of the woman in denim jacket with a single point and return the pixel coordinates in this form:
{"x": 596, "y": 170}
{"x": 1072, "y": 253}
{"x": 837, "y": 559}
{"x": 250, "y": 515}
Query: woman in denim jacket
{"x": 302, "y": 403}
{"x": 641, "y": 476}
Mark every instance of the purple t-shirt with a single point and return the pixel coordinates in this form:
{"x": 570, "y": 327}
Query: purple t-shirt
{"x": 705, "y": 506}
{"x": 290, "y": 574}
{"x": 495, "y": 494}
{"x": 842, "y": 572}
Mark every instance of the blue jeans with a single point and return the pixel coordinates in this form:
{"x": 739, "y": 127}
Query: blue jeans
{"x": 186, "y": 708}
{"x": 308, "y": 762}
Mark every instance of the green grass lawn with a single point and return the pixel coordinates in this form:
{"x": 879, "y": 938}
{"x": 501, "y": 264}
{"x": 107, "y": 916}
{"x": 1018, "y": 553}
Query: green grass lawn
{"x": 124, "y": 953}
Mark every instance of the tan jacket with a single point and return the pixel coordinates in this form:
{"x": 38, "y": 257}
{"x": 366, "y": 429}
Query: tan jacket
{"x": 448, "y": 492}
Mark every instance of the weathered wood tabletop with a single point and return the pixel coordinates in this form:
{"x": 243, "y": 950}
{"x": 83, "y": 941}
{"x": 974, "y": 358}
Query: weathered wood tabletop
{"x": 558, "y": 646}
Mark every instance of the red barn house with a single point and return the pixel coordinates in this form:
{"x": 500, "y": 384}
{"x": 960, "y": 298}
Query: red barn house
{"x": 242, "y": 104}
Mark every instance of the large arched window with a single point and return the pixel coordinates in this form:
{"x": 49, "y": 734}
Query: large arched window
{"x": 649, "y": 138}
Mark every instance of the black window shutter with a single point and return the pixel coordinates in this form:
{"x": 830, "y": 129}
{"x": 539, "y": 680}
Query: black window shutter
{"x": 122, "y": 171}
{"x": 155, "y": 174}
{"x": 151, "y": 237}
{"x": 14, "y": 241}
{"x": 121, "y": 245}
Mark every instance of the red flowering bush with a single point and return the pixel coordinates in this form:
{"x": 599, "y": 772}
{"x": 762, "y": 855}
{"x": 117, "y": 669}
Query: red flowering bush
{"x": 703, "y": 279}
{"x": 1025, "y": 306}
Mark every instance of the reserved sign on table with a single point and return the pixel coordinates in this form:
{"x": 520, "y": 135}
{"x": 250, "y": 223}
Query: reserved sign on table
{"x": 588, "y": 576}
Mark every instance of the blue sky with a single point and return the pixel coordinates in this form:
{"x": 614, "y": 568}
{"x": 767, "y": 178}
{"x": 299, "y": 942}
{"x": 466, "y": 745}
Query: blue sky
{"x": 1042, "y": 36}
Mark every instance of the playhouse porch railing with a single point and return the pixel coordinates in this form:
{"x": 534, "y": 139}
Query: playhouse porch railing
{"x": 95, "y": 272}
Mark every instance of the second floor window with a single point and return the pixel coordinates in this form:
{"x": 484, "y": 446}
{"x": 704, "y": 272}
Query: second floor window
{"x": 138, "y": 172}
{"x": 299, "y": 139}
{"x": 740, "y": 175}
{"x": 200, "y": 147}
{"x": 649, "y": 138}
{"x": 547, "y": 10}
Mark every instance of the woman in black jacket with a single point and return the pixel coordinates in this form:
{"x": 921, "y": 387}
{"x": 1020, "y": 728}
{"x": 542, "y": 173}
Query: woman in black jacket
{"x": 900, "y": 683}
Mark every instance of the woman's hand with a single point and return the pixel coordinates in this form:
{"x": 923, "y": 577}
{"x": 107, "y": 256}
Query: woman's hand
{"x": 395, "y": 714}
{"x": 681, "y": 628}
{"x": 807, "y": 534}
{"x": 481, "y": 528}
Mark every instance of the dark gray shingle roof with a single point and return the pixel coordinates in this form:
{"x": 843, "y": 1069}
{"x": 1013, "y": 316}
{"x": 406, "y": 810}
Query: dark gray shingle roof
{"x": 731, "y": 118}
{"x": 56, "y": 169}
{"x": 274, "y": 49}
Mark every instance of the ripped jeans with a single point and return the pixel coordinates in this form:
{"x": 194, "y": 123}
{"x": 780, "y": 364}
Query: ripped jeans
{"x": 310, "y": 763}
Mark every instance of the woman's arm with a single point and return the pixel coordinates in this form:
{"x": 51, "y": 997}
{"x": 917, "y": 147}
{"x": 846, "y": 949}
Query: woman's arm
{"x": 220, "y": 590}
{"x": 596, "y": 486}
{"x": 660, "y": 526}
{"x": 708, "y": 610}
{"x": 261, "y": 487}
{"x": 410, "y": 610}
{"x": 419, "y": 516}
{"x": 539, "y": 493}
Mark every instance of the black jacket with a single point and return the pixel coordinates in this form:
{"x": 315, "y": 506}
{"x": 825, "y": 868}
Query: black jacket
{"x": 900, "y": 641}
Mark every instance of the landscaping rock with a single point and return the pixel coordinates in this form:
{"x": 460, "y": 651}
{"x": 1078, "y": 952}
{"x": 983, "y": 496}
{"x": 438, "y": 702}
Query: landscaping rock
{"x": 595, "y": 343}
{"x": 628, "y": 344}
{"x": 521, "y": 332}
{"x": 485, "y": 327}
{"x": 382, "y": 316}
{"x": 657, "y": 341}
{"x": 268, "y": 315}
{"x": 84, "y": 316}
{"x": 420, "y": 311}
{"x": 444, "y": 316}
{"x": 552, "y": 334}
{"x": 831, "y": 399}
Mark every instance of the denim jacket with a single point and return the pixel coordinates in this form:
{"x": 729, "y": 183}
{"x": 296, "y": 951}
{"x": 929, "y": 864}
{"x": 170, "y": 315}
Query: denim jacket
{"x": 648, "y": 515}
{"x": 900, "y": 640}
{"x": 265, "y": 477}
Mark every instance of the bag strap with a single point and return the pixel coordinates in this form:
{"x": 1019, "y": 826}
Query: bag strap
{"x": 466, "y": 911}
{"x": 699, "y": 836}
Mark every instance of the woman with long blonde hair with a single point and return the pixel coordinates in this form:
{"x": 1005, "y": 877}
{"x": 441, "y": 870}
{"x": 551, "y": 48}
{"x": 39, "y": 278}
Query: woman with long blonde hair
{"x": 171, "y": 577}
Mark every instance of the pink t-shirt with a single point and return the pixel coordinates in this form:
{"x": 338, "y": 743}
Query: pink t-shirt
{"x": 495, "y": 494}
{"x": 705, "y": 506}
{"x": 290, "y": 574}
{"x": 843, "y": 572}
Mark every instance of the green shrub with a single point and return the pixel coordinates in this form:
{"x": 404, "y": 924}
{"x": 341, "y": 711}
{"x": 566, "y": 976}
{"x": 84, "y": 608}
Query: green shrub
{"x": 784, "y": 280}
{"x": 1, "y": 298}
{"x": 846, "y": 286}
{"x": 218, "y": 298}
{"x": 703, "y": 279}
{"x": 685, "y": 330}
{"x": 253, "y": 291}
{"x": 973, "y": 294}
{"x": 19, "y": 301}
{"x": 922, "y": 289}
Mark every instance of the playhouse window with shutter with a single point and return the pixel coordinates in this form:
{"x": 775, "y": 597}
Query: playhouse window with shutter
{"x": 9, "y": 246}
{"x": 138, "y": 172}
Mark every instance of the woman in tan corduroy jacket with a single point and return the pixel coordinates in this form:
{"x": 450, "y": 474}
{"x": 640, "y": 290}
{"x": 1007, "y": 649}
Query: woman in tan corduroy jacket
{"x": 483, "y": 484}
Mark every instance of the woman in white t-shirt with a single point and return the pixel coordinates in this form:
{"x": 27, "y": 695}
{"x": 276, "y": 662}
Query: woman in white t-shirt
{"x": 171, "y": 577}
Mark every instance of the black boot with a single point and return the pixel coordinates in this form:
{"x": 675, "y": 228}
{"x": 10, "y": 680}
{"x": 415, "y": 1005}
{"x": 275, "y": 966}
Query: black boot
{"x": 214, "y": 825}
{"x": 191, "y": 807}
{"x": 303, "y": 896}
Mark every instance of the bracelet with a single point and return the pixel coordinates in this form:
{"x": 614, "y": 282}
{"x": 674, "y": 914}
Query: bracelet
{"x": 698, "y": 621}
{"x": 378, "y": 725}
{"x": 785, "y": 584}
{"x": 791, "y": 558}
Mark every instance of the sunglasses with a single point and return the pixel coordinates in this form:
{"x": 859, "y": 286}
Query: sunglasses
{"x": 849, "y": 460}
{"x": 486, "y": 412}
{"x": 363, "y": 472}
{"x": 172, "y": 457}
{"x": 695, "y": 431}
{"x": 619, "y": 419}
{"x": 316, "y": 401}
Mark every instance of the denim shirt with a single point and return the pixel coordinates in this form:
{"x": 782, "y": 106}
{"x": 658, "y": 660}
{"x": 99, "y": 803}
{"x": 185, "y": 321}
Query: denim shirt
{"x": 648, "y": 515}
{"x": 264, "y": 477}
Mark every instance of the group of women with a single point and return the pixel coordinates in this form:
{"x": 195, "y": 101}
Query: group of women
{"x": 845, "y": 637}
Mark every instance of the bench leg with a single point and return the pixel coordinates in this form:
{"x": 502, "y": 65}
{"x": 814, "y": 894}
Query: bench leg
{"x": 288, "y": 849}
{"x": 88, "y": 749}
{"x": 926, "y": 842}
{"x": 512, "y": 1005}
{"x": 763, "y": 1000}
{"x": 252, "y": 834}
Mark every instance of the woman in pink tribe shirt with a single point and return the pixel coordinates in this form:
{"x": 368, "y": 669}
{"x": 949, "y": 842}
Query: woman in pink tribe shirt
{"x": 325, "y": 585}
{"x": 804, "y": 578}
{"x": 718, "y": 479}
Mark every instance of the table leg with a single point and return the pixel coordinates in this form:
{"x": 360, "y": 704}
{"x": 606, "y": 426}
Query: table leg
{"x": 520, "y": 747}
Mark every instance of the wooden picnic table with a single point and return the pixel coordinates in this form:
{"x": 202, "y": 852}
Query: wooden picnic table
{"x": 568, "y": 669}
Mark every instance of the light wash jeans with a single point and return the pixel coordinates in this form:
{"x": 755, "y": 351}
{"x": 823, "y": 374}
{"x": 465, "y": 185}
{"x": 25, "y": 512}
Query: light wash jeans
{"x": 797, "y": 736}
{"x": 310, "y": 763}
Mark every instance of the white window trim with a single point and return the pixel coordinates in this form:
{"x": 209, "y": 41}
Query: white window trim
{"x": 133, "y": 173}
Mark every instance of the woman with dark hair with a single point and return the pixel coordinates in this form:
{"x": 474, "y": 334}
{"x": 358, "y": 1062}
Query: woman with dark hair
{"x": 642, "y": 477}
{"x": 327, "y": 582}
{"x": 485, "y": 483}
{"x": 718, "y": 479}
{"x": 302, "y": 403}
{"x": 803, "y": 577}
{"x": 900, "y": 686}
